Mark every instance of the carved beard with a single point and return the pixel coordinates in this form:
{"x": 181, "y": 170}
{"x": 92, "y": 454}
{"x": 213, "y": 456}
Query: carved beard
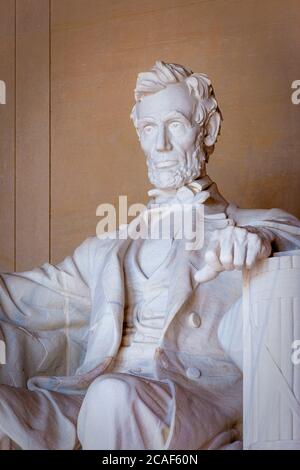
{"x": 191, "y": 167}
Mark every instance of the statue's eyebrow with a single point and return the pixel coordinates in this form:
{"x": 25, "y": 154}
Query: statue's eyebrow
{"x": 145, "y": 120}
{"x": 168, "y": 117}
{"x": 177, "y": 115}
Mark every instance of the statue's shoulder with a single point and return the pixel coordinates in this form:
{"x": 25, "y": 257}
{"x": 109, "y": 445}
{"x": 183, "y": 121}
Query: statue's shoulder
{"x": 104, "y": 242}
{"x": 243, "y": 216}
{"x": 93, "y": 247}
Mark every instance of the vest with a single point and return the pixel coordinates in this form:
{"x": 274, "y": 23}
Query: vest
{"x": 147, "y": 279}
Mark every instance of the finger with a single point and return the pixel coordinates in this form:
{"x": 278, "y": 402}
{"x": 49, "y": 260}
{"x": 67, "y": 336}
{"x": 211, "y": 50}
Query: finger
{"x": 206, "y": 274}
{"x": 253, "y": 250}
{"x": 212, "y": 255}
{"x": 226, "y": 249}
{"x": 239, "y": 257}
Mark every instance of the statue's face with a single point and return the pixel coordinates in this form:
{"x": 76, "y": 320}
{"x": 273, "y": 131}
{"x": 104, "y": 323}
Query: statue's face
{"x": 169, "y": 137}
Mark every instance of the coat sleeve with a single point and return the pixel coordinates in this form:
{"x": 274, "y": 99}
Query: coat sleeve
{"x": 284, "y": 227}
{"x": 44, "y": 314}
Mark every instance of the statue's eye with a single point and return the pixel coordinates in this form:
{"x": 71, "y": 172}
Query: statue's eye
{"x": 174, "y": 126}
{"x": 148, "y": 129}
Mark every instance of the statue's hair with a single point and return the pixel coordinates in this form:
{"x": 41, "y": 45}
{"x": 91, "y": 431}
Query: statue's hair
{"x": 162, "y": 74}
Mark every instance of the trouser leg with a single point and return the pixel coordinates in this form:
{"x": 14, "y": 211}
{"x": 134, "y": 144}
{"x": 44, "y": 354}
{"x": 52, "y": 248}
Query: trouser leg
{"x": 5, "y": 442}
{"x": 39, "y": 419}
{"x": 122, "y": 411}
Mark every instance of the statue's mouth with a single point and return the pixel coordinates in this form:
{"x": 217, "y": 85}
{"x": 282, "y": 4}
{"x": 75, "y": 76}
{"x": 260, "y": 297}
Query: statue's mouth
{"x": 166, "y": 164}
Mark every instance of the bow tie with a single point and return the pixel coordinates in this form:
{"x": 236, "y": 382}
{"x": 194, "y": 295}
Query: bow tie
{"x": 194, "y": 192}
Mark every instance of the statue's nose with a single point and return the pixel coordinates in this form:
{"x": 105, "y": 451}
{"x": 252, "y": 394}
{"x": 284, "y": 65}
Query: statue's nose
{"x": 163, "y": 143}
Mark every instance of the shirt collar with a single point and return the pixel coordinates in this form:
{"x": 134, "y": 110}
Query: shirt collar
{"x": 196, "y": 191}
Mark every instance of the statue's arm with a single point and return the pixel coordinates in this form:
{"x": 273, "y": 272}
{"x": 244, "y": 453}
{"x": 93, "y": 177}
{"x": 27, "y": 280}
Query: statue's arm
{"x": 254, "y": 235}
{"x": 44, "y": 313}
{"x": 32, "y": 297}
{"x": 282, "y": 227}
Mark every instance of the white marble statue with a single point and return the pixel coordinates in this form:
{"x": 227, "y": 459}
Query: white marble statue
{"x": 136, "y": 344}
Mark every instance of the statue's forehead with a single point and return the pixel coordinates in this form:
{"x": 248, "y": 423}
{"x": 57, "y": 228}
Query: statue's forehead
{"x": 172, "y": 98}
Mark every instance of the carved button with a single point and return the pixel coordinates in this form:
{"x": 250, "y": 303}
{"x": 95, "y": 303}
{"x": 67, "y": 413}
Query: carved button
{"x": 194, "y": 320}
{"x": 193, "y": 373}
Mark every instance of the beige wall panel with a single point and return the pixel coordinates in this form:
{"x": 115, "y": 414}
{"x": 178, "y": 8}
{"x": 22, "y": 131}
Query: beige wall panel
{"x": 32, "y": 143}
{"x": 7, "y": 134}
{"x": 249, "y": 48}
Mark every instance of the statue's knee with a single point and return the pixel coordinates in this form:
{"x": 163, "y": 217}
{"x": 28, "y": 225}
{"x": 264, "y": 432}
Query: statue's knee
{"x": 105, "y": 397}
{"x": 111, "y": 391}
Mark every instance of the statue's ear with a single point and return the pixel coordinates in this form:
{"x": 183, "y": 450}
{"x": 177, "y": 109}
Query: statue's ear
{"x": 212, "y": 129}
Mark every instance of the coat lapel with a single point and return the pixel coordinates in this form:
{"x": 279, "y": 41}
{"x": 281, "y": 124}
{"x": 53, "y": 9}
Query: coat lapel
{"x": 113, "y": 280}
{"x": 183, "y": 268}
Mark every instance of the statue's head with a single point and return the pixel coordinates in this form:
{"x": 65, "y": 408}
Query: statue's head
{"x": 177, "y": 119}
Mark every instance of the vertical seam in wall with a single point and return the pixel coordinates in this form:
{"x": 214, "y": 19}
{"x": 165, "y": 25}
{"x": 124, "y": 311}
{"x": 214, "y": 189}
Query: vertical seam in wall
{"x": 15, "y": 144}
{"x": 50, "y": 133}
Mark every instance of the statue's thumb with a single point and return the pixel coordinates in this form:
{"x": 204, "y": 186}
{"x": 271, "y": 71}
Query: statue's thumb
{"x": 205, "y": 274}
